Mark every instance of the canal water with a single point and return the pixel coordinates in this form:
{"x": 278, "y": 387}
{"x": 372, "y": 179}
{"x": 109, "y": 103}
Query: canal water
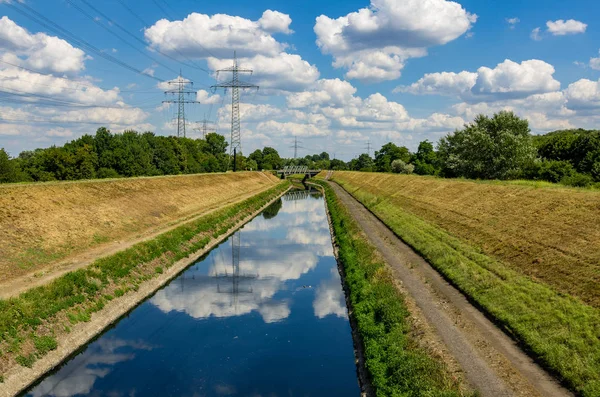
{"x": 263, "y": 314}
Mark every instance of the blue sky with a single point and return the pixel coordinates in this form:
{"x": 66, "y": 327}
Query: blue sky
{"x": 333, "y": 74}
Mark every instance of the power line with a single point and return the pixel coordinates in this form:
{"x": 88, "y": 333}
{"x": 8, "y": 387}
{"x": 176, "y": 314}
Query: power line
{"x": 97, "y": 22}
{"x": 235, "y": 84}
{"x": 111, "y": 21}
{"x": 163, "y": 10}
{"x": 68, "y": 36}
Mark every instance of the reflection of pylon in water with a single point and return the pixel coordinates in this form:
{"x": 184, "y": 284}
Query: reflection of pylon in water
{"x": 235, "y": 276}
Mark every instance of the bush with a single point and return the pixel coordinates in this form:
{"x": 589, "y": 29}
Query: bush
{"x": 106, "y": 173}
{"x": 578, "y": 180}
{"x": 400, "y": 167}
{"x": 555, "y": 171}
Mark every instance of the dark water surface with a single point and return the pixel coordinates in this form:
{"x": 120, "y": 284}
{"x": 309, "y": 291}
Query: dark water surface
{"x": 263, "y": 314}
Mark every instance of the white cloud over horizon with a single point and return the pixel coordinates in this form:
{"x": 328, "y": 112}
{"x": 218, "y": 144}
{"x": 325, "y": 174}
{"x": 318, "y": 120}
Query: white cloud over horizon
{"x": 373, "y": 43}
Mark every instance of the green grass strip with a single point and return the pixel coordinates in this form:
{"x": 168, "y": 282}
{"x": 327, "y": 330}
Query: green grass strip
{"x": 562, "y": 332}
{"x": 80, "y": 293}
{"x": 396, "y": 365}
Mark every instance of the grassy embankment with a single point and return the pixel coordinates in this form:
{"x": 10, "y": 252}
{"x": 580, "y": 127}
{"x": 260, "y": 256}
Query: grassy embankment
{"x": 44, "y": 223}
{"x": 528, "y": 256}
{"x": 35, "y": 322}
{"x": 395, "y": 363}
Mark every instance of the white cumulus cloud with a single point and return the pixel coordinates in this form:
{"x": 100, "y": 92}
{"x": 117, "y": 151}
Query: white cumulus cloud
{"x": 38, "y": 51}
{"x": 373, "y": 43}
{"x": 562, "y": 27}
{"x": 508, "y": 79}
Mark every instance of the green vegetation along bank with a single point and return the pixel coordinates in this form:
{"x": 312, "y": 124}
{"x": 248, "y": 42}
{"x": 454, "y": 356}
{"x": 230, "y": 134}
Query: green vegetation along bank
{"x": 560, "y": 330}
{"x": 395, "y": 363}
{"x": 42, "y": 319}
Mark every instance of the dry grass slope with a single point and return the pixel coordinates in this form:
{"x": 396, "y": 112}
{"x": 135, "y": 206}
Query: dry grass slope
{"x": 551, "y": 235}
{"x": 41, "y": 224}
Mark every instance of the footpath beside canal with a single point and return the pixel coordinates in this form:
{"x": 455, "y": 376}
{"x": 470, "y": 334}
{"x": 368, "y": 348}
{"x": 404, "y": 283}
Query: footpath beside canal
{"x": 491, "y": 362}
{"x": 44, "y": 326}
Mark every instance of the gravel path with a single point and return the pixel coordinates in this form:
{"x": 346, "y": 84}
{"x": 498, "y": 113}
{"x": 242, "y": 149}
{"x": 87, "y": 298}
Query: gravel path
{"x": 492, "y": 362}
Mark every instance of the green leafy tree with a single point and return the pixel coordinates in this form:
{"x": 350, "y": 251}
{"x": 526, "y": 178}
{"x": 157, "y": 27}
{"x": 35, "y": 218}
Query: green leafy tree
{"x": 364, "y": 163}
{"x": 8, "y": 170}
{"x": 499, "y": 147}
{"x": 257, "y": 157}
{"x": 271, "y": 159}
{"x": 338, "y": 165}
{"x": 426, "y": 160}
{"x": 216, "y": 143}
{"x": 388, "y": 153}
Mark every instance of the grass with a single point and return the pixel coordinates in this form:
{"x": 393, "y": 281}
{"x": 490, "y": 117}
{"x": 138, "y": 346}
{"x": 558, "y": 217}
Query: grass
{"x": 560, "y": 330}
{"x": 49, "y": 222}
{"x": 395, "y": 363}
{"x": 75, "y": 296}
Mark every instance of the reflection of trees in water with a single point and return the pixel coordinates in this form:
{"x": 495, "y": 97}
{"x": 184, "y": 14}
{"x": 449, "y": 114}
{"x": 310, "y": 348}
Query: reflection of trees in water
{"x": 272, "y": 210}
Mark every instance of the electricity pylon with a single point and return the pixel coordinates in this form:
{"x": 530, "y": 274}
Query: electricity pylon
{"x": 296, "y": 147}
{"x": 205, "y": 127}
{"x": 235, "y": 84}
{"x": 369, "y": 147}
{"x": 182, "y": 88}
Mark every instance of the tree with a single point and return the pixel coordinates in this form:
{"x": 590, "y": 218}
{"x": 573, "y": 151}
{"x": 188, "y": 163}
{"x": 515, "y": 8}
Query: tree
{"x": 271, "y": 159}
{"x": 251, "y": 165}
{"x": 216, "y": 143}
{"x": 364, "y": 162}
{"x": 337, "y": 165}
{"x": 388, "y": 153}
{"x": 499, "y": 147}
{"x": 8, "y": 171}
{"x": 257, "y": 157}
{"x": 426, "y": 160}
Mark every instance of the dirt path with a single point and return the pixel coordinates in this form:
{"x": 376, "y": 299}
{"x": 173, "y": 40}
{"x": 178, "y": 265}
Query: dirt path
{"x": 492, "y": 362}
{"x": 15, "y": 286}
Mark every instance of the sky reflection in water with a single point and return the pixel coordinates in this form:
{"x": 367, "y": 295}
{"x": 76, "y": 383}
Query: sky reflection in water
{"x": 263, "y": 314}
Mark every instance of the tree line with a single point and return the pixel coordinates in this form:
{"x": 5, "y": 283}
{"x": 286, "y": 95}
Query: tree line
{"x": 496, "y": 147}
{"x": 108, "y": 155}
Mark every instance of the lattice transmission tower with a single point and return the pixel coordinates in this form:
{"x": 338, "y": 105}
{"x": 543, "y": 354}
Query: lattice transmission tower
{"x": 235, "y": 84}
{"x": 296, "y": 146}
{"x": 182, "y": 89}
{"x": 206, "y": 127}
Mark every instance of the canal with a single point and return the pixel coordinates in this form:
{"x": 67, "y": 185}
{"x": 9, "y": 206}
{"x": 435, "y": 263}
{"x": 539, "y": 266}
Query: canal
{"x": 262, "y": 314}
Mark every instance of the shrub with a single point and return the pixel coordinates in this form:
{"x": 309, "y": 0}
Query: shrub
{"x": 578, "y": 180}
{"x": 555, "y": 171}
{"x": 400, "y": 167}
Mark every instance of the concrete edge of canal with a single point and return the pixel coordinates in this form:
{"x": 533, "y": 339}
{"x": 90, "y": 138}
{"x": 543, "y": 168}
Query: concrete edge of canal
{"x": 19, "y": 379}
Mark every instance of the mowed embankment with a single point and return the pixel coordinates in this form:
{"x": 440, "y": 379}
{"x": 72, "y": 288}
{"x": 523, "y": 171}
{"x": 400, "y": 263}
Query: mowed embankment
{"x": 44, "y": 224}
{"x": 550, "y": 234}
{"x": 528, "y": 256}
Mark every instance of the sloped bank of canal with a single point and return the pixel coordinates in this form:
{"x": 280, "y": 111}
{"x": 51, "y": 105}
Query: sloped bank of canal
{"x": 261, "y": 314}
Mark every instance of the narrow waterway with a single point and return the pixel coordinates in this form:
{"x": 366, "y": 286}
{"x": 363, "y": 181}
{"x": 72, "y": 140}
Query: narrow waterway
{"x": 263, "y": 314}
